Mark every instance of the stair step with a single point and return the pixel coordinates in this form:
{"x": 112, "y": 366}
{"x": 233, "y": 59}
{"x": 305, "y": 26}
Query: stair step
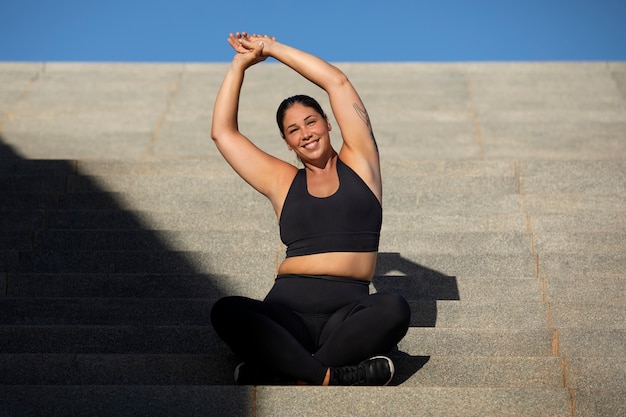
{"x": 134, "y": 184}
{"x": 572, "y": 289}
{"x": 590, "y": 242}
{"x": 9, "y": 261}
{"x": 568, "y": 342}
{"x": 215, "y": 166}
{"x": 212, "y": 167}
{"x": 115, "y": 369}
{"x": 186, "y": 262}
{"x": 37, "y": 167}
{"x": 426, "y": 341}
{"x": 208, "y": 166}
{"x": 457, "y": 242}
{"x": 590, "y": 222}
{"x": 583, "y": 205}
{"x": 185, "y": 369}
{"x": 156, "y": 240}
{"x": 399, "y": 168}
{"x": 484, "y": 372}
{"x": 457, "y": 185}
{"x": 567, "y": 177}
{"x": 592, "y": 342}
{"x": 159, "y": 338}
{"x": 584, "y": 266}
{"x": 234, "y": 202}
{"x": 441, "y": 221}
{"x": 481, "y": 315}
{"x": 199, "y": 400}
{"x": 434, "y": 203}
{"x": 126, "y": 401}
{"x": 106, "y": 236}
{"x": 116, "y": 339}
{"x": 434, "y": 286}
{"x": 222, "y": 262}
{"x": 482, "y": 265}
{"x": 588, "y": 315}
{"x": 194, "y": 311}
{"x": 33, "y": 183}
{"x": 194, "y": 240}
{"x": 26, "y": 201}
{"x": 139, "y": 285}
{"x": 22, "y": 220}
{"x": 120, "y": 219}
{"x": 16, "y": 240}
{"x": 105, "y": 311}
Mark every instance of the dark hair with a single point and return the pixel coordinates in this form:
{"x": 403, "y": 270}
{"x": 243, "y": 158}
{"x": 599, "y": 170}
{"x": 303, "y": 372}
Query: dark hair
{"x": 290, "y": 101}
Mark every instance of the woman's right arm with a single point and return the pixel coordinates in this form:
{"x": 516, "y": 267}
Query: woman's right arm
{"x": 265, "y": 173}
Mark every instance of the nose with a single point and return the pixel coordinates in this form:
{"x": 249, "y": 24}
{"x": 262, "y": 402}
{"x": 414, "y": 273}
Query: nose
{"x": 305, "y": 134}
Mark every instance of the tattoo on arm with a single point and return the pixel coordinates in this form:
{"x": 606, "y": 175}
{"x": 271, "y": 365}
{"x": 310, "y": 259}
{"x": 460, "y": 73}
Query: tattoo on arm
{"x": 366, "y": 118}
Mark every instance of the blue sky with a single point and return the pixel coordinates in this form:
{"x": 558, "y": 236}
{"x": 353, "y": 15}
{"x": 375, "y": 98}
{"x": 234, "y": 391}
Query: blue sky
{"x": 351, "y": 30}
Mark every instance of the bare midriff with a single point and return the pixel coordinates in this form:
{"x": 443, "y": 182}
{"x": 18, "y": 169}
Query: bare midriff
{"x": 358, "y": 265}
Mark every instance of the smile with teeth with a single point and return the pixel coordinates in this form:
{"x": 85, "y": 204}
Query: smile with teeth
{"x": 311, "y": 144}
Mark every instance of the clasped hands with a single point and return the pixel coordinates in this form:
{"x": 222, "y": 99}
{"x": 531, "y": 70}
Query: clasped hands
{"x": 252, "y": 46}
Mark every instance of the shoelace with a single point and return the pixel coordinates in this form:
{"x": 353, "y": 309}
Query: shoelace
{"x": 349, "y": 375}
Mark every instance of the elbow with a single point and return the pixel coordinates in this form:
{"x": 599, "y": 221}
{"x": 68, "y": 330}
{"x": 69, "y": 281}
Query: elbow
{"x": 218, "y": 131}
{"x": 340, "y": 79}
{"x": 223, "y": 133}
{"x": 215, "y": 134}
{"x": 222, "y": 126}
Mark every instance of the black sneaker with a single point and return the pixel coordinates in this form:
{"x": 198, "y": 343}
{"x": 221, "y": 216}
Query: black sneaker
{"x": 376, "y": 371}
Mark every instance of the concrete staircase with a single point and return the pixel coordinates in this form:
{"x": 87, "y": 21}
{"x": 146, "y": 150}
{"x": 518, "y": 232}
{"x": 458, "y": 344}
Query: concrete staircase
{"x": 505, "y": 223}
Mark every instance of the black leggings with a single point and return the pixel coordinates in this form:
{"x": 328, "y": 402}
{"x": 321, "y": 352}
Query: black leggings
{"x": 308, "y": 323}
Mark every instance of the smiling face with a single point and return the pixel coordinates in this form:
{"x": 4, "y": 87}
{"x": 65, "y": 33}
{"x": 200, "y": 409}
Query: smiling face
{"x": 306, "y": 131}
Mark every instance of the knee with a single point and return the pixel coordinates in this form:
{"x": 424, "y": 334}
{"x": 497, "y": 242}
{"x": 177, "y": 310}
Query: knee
{"x": 221, "y": 305}
{"x": 396, "y": 309}
{"x": 223, "y": 309}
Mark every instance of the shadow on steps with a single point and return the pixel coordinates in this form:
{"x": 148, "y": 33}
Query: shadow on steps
{"x": 421, "y": 287}
{"x": 105, "y": 314}
{"x": 74, "y": 316}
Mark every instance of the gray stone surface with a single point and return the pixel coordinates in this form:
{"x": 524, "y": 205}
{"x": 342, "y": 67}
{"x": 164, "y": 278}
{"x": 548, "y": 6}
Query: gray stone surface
{"x": 431, "y": 340}
{"x": 505, "y": 226}
{"x": 433, "y": 401}
{"x": 599, "y": 402}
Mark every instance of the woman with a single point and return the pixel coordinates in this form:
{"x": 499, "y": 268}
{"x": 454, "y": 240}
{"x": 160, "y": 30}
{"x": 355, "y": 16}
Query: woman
{"x": 318, "y": 324}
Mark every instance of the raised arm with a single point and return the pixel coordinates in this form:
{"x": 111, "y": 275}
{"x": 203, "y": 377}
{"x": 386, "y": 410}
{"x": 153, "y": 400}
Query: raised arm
{"x": 262, "y": 171}
{"x": 359, "y": 146}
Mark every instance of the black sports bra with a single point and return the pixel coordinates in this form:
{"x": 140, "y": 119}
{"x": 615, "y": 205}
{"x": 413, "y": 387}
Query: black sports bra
{"x": 347, "y": 221}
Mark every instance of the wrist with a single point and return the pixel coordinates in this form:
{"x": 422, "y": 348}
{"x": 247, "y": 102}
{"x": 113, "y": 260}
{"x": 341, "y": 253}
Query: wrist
{"x": 270, "y": 45}
{"x": 237, "y": 66}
